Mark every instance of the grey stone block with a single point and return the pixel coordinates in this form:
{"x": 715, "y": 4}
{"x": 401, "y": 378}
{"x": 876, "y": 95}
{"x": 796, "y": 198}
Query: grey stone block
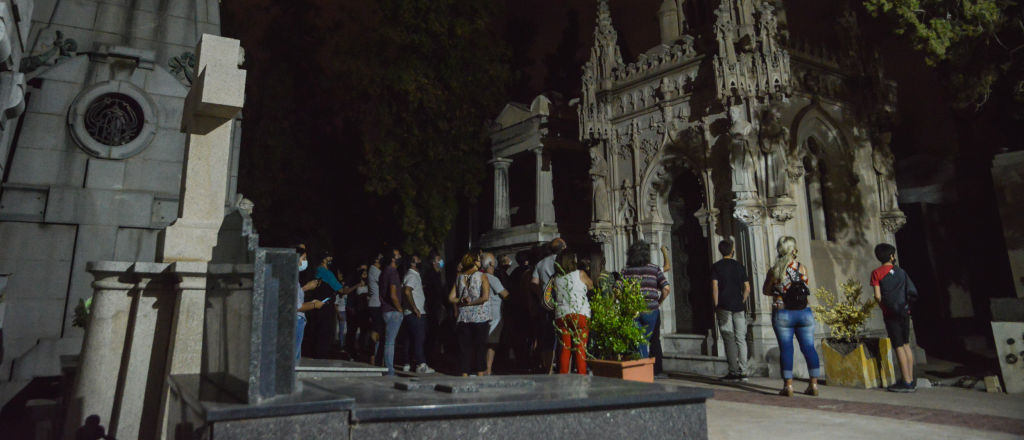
{"x": 154, "y": 176}
{"x": 55, "y": 98}
{"x": 43, "y": 167}
{"x": 33, "y": 318}
{"x": 167, "y": 146}
{"x": 43, "y": 10}
{"x": 35, "y": 279}
{"x": 25, "y": 203}
{"x": 76, "y": 13}
{"x": 161, "y": 82}
{"x": 38, "y": 242}
{"x": 37, "y": 131}
{"x": 148, "y": 5}
{"x": 99, "y": 207}
{"x": 94, "y": 243}
{"x": 135, "y": 244}
{"x": 170, "y": 110}
{"x": 179, "y": 31}
{"x": 165, "y": 212}
{"x": 111, "y": 18}
{"x": 214, "y": 13}
{"x": 303, "y": 427}
{"x": 105, "y": 174}
{"x": 182, "y": 9}
{"x": 144, "y": 25}
{"x": 43, "y": 359}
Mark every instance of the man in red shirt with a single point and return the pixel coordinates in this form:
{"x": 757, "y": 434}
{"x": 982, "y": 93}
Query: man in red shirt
{"x": 893, "y": 291}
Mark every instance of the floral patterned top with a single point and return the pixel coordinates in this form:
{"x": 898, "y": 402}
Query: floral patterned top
{"x": 792, "y": 274}
{"x": 471, "y": 286}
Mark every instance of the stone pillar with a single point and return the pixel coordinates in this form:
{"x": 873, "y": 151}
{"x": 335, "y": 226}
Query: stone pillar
{"x": 216, "y": 97}
{"x": 892, "y": 222}
{"x": 502, "y": 215}
{"x": 185, "y": 347}
{"x": 124, "y": 338}
{"x": 545, "y": 190}
{"x": 753, "y": 215}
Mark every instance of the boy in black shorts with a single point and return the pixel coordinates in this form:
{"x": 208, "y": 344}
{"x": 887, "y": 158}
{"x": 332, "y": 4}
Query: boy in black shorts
{"x": 894, "y": 291}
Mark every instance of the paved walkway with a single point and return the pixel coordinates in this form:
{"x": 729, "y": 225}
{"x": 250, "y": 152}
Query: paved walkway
{"x": 754, "y": 409}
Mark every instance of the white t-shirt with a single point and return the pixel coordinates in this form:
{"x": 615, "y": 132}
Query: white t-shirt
{"x": 373, "y": 275}
{"x": 412, "y": 280}
{"x": 571, "y": 295}
{"x": 494, "y": 300}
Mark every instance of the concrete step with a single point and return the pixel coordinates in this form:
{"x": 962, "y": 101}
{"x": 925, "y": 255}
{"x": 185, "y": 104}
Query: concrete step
{"x": 684, "y": 344}
{"x": 696, "y": 364}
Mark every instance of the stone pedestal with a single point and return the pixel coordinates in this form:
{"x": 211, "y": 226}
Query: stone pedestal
{"x": 753, "y": 215}
{"x": 545, "y": 191}
{"x": 128, "y": 351}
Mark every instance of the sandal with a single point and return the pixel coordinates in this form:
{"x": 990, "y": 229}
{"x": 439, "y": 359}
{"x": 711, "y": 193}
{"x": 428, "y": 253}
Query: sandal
{"x": 812, "y": 391}
{"x": 787, "y": 391}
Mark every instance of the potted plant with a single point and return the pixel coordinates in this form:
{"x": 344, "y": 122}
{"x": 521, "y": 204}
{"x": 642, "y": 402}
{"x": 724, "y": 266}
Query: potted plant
{"x": 852, "y": 360}
{"x": 615, "y": 337}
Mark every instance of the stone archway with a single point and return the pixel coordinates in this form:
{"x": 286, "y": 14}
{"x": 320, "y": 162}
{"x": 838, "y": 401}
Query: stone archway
{"x": 691, "y": 265}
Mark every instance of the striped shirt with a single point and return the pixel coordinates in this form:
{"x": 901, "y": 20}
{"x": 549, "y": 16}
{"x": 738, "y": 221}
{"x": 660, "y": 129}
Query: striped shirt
{"x": 652, "y": 282}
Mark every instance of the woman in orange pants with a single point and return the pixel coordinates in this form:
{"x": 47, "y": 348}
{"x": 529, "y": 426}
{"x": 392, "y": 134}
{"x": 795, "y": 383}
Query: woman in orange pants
{"x": 573, "y": 311}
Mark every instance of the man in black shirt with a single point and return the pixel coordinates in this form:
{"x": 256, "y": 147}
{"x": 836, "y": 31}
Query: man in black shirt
{"x": 730, "y": 288}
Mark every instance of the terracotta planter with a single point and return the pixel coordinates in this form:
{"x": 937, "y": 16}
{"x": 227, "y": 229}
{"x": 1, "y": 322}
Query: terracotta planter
{"x": 637, "y": 371}
{"x": 868, "y": 365}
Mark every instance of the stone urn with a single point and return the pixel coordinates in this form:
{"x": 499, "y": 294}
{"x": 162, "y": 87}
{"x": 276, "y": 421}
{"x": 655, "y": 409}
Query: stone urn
{"x": 638, "y": 371}
{"x": 864, "y": 364}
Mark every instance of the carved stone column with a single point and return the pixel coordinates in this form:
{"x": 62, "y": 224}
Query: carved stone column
{"x": 502, "y": 215}
{"x": 892, "y": 222}
{"x": 754, "y": 216}
{"x": 545, "y": 190}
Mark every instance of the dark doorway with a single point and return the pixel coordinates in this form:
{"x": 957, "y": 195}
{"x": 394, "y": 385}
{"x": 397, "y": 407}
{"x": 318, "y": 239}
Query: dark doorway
{"x": 691, "y": 270}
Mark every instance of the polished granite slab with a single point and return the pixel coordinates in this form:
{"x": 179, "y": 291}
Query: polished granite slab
{"x": 442, "y": 407}
{"x": 325, "y": 368}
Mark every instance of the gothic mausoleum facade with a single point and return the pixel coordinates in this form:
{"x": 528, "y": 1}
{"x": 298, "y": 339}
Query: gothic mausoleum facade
{"x": 727, "y": 130}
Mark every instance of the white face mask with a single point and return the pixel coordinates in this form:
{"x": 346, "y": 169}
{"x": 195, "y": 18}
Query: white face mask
{"x": 303, "y": 265}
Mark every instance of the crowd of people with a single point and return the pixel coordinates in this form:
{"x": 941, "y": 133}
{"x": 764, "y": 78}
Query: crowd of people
{"x": 519, "y": 318}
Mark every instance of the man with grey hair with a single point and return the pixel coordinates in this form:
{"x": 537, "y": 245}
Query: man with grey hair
{"x": 545, "y": 270}
{"x": 488, "y": 264}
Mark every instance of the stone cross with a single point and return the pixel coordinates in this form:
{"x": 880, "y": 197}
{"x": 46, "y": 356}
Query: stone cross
{"x": 216, "y": 97}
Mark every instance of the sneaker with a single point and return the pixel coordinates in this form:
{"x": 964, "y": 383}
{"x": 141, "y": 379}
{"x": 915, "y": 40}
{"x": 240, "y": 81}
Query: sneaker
{"x": 911, "y": 387}
{"x": 730, "y": 378}
{"x": 406, "y": 368}
{"x": 901, "y": 387}
{"x": 424, "y": 369}
{"x": 742, "y": 377}
{"x": 662, "y": 376}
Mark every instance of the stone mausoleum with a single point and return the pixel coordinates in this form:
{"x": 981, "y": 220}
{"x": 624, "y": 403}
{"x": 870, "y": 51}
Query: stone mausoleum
{"x": 92, "y": 149}
{"x": 728, "y": 129}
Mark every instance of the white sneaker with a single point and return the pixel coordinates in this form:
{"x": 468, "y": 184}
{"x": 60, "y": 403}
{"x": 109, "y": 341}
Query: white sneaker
{"x": 424, "y": 369}
{"x": 406, "y": 368}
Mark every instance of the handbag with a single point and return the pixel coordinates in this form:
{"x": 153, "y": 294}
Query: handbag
{"x": 796, "y": 295}
{"x": 548, "y": 299}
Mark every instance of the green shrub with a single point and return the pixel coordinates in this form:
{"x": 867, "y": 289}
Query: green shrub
{"x": 614, "y": 334}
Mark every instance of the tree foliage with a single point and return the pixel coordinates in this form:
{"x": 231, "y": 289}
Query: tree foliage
{"x": 976, "y": 44}
{"x": 429, "y": 74}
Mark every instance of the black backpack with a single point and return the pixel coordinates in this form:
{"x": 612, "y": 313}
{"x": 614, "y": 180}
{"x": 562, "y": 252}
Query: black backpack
{"x": 796, "y": 295}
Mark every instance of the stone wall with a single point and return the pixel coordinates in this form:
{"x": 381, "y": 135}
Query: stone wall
{"x": 68, "y": 196}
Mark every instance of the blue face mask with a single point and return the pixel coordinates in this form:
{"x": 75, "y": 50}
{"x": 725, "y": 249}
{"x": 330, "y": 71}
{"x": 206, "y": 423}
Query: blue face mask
{"x": 303, "y": 265}
{"x": 441, "y": 264}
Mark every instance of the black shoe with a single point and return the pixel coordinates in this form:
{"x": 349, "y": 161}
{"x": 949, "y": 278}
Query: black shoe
{"x": 742, "y": 377}
{"x": 911, "y": 387}
{"x": 901, "y": 387}
{"x": 913, "y": 384}
{"x": 662, "y": 376}
{"x": 730, "y": 378}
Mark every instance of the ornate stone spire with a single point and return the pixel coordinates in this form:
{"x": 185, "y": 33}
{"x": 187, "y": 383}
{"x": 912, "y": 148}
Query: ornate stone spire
{"x": 750, "y": 62}
{"x": 598, "y": 73}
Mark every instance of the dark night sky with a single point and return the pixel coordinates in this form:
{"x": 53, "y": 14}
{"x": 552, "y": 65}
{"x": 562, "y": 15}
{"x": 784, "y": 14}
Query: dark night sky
{"x": 927, "y": 126}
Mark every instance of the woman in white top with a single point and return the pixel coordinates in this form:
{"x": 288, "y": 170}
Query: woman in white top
{"x": 573, "y": 310}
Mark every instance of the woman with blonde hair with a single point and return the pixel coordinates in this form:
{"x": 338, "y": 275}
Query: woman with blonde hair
{"x": 787, "y": 285}
{"x": 470, "y": 294}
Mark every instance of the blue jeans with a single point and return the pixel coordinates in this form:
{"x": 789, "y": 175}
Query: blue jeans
{"x": 300, "y": 327}
{"x": 801, "y": 322}
{"x": 415, "y": 334}
{"x": 647, "y": 322}
{"x": 392, "y": 323}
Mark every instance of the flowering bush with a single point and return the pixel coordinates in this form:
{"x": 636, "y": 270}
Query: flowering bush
{"x": 846, "y": 316}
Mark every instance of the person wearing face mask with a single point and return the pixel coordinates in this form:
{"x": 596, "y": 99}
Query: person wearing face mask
{"x": 324, "y": 323}
{"x": 301, "y": 305}
{"x": 390, "y": 307}
{"x": 470, "y": 294}
{"x": 356, "y": 314}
